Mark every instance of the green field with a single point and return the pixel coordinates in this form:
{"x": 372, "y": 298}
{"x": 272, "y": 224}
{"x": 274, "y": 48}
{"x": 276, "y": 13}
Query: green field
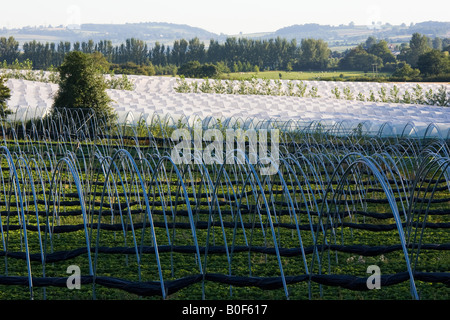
{"x": 280, "y": 214}
{"x": 304, "y": 75}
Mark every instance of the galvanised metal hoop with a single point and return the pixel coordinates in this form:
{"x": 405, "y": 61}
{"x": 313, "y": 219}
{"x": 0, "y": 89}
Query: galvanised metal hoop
{"x": 312, "y": 158}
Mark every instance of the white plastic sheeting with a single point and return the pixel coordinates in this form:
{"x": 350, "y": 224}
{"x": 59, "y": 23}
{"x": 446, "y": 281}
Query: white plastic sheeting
{"x": 155, "y": 95}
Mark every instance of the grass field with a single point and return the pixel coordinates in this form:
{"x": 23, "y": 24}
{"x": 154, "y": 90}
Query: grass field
{"x": 335, "y": 75}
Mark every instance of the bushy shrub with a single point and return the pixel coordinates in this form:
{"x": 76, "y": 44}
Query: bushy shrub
{"x": 194, "y": 69}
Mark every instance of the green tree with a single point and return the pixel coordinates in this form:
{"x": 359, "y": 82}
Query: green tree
{"x": 359, "y": 59}
{"x": 82, "y": 87}
{"x": 370, "y": 42}
{"x": 381, "y": 50}
{"x": 433, "y": 62}
{"x": 314, "y": 54}
{"x": 196, "y": 50}
{"x": 418, "y": 45}
{"x": 193, "y": 69}
{"x": 5, "y": 94}
{"x": 100, "y": 62}
{"x": 189, "y": 69}
{"x": 158, "y": 54}
{"x": 137, "y": 51}
{"x": 406, "y": 72}
{"x": 437, "y": 43}
{"x": 9, "y": 49}
{"x": 178, "y": 53}
{"x": 132, "y": 68}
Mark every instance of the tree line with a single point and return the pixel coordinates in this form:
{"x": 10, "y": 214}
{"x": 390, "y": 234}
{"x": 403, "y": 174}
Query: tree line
{"x": 134, "y": 56}
{"x": 235, "y": 53}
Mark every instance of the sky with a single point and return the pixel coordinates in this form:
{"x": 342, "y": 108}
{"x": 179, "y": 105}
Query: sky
{"x": 222, "y": 16}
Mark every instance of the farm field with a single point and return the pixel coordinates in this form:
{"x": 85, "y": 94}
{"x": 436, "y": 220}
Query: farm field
{"x": 295, "y": 75}
{"x": 359, "y": 184}
{"x": 300, "y": 101}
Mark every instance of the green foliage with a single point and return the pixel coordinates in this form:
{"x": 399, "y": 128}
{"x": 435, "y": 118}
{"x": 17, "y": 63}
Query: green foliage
{"x": 406, "y": 72}
{"x": 359, "y": 59}
{"x": 276, "y": 87}
{"x": 442, "y": 98}
{"x": 83, "y": 87}
{"x": 206, "y": 87}
{"x": 194, "y": 69}
{"x": 361, "y": 97}
{"x": 381, "y": 50}
{"x": 442, "y": 77}
{"x": 9, "y": 49}
{"x": 433, "y": 62}
{"x": 301, "y": 86}
{"x": 122, "y": 83}
{"x": 394, "y": 94}
{"x": 99, "y": 62}
{"x": 382, "y": 93}
{"x": 406, "y": 98}
{"x": 418, "y": 45}
{"x": 5, "y": 94}
{"x": 17, "y": 65}
{"x": 169, "y": 69}
{"x": 223, "y": 67}
{"x": 314, "y": 54}
{"x": 24, "y": 71}
{"x": 439, "y": 98}
{"x": 372, "y": 96}
{"x": 418, "y": 95}
{"x": 235, "y": 55}
{"x": 348, "y": 94}
{"x": 314, "y": 92}
{"x": 182, "y": 86}
{"x": 132, "y": 68}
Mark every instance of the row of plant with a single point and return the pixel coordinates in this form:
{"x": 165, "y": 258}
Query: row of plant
{"x": 254, "y": 86}
{"x": 229, "y": 206}
{"x": 24, "y": 71}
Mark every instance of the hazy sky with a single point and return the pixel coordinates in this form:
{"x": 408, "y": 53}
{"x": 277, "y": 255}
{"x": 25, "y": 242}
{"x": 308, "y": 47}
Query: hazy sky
{"x": 224, "y": 16}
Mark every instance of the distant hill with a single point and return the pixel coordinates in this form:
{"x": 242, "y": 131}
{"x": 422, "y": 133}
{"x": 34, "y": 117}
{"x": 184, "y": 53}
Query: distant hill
{"x": 166, "y": 33}
{"x": 358, "y": 33}
{"x": 118, "y": 33}
{"x": 148, "y": 31}
{"x": 432, "y": 28}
